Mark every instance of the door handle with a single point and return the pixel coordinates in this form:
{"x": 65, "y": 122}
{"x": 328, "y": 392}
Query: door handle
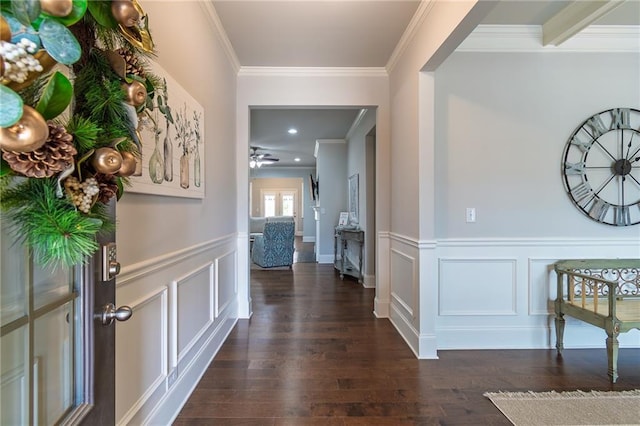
{"x": 109, "y": 313}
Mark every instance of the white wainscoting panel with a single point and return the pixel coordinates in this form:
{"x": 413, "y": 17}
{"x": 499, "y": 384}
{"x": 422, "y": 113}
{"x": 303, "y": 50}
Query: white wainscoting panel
{"x": 542, "y": 286}
{"x": 185, "y": 304}
{"x": 226, "y": 267}
{"x": 144, "y": 370}
{"x": 499, "y": 293}
{"x": 404, "y": 282}
{"x": 464, "y": 291}
{"x": 195, "y": 301}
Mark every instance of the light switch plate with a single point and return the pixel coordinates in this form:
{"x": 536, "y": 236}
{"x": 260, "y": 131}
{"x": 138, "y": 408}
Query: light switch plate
{"x": 471, "y": 214}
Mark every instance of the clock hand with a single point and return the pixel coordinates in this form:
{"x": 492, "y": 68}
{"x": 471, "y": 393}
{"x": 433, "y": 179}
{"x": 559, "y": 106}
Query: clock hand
{"x": 629, "y": 148}
{"x": 600, "y": 145}
{"x": 595, "y": 193}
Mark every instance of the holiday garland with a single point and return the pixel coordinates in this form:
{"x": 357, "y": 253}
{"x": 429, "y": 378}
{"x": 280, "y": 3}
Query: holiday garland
{"x": 74, "y": 82}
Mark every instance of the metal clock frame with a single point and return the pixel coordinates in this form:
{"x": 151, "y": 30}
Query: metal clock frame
{"x": 601, "y": 167}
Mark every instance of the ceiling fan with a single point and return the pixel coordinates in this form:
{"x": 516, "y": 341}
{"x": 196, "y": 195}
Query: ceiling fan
{"x": 257, "y": 159}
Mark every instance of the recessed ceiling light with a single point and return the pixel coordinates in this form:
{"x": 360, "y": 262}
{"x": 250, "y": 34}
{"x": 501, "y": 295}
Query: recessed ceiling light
{"x": 292, "y": 131}
{"x": 296, "y": 159}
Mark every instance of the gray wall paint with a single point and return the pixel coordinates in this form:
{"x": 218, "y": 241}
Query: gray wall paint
{"x": 332, "y": 175}
{"x": 502, "y": 124}
{"x": 357, "y": 163}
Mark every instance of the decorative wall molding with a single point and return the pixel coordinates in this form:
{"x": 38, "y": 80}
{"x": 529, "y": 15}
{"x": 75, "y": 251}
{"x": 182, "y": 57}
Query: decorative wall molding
{"x": 168, "y": 408}
{"x": 410, "y": 241}
{"x": 159, "y": 295}
{"x": 540, "y": 297}
{"x": 188, "y": 319}
{"x": 219, "y": 305}
{"x": 409, "y": 33}
{"x": 214, "y": 20}
{"x": 404, "y": 282}
{"x": 183, "y": 281}
{"x": 312, "y": 72}
{"x": 138, "y": 270}
{"x": 528, "y": 38}
{"x": 309, "y": 239}
{"x": 460, "y": 295}
{"x": 539, "y": 242}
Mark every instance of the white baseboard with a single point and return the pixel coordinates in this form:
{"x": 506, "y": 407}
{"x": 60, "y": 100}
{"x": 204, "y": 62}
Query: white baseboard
{"x": 325, "y": 258}
{"x": 308, "y": 239}
{"x": 169, "y": 407}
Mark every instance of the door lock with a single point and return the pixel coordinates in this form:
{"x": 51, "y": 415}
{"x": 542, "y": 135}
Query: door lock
{"x": 110, "y": 266}
{"x": 109, "y": 313}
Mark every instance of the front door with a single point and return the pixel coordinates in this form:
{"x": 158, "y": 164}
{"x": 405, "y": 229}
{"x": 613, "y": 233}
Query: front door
{"x": 56, "y": 357}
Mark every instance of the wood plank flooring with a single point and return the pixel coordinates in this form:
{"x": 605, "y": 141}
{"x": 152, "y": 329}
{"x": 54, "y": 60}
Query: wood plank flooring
{"x": 314, "y": 354}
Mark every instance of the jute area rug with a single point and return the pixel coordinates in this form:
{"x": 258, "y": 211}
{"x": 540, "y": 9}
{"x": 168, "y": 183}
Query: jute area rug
{"x": 569, "y": 408}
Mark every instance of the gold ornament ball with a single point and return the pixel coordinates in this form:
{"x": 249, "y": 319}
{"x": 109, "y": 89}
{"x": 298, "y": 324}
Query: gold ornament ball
{"x": 5, "y": 31}
{"x": 28, "y": 134}
{"x": 125, "y": 13}
{"x": 58, "y": 8}
{"x": 136, "y": 93}
{"x": 106, "y": 160}
{"x": 128, "y": 164}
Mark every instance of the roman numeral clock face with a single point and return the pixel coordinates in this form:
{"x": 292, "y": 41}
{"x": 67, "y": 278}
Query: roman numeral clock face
{"x": 601, "y": 167}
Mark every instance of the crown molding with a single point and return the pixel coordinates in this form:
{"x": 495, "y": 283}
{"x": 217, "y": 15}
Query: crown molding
{"x": 356, "y": 123}
{"x": 528, "y": 38}
{"x": 216, "y": 24}
{"x": 313, "y": 72}
{"x": 409, "y": 33}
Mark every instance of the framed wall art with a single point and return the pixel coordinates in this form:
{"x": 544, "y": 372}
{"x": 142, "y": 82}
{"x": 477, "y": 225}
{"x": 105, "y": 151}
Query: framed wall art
{"x": 172, "y": 139}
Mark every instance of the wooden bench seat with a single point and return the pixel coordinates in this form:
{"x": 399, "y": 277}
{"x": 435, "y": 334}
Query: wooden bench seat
{"x": 602, "y": 292}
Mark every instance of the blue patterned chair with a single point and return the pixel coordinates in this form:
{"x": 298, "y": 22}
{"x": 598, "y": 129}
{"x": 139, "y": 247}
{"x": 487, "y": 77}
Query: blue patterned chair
{"x": 274, "y": 247}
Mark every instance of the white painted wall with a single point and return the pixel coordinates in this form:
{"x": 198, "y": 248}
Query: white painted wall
{"x": 179, "y": 256}
{"x": 503, "y": 121}
{"x": 331, "y": 164}
{"x": 413, "y": 290}
{"x": 357, "y": 163}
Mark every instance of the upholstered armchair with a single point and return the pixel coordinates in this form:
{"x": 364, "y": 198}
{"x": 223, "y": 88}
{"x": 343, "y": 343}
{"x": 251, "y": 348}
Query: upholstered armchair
{"x": 275, "y": 246}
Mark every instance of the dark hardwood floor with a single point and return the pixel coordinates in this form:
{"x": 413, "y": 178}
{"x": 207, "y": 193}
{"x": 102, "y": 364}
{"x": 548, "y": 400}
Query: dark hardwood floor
{"x": 314, "y": 354}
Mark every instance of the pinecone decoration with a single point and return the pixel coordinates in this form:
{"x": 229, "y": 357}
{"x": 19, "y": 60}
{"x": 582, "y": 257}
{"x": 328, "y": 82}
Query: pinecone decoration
{"x": 133, "y": 65}
{"x": 108, "y": 187}
{"x": 51, "y": 158}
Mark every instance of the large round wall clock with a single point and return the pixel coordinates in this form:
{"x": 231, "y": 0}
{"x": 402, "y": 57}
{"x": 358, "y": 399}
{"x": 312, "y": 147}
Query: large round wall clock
{"x": 601, "y": 167}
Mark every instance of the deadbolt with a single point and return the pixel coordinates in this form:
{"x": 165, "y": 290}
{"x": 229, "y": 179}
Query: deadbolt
{"x": 109, "y": 313}
{"x": 110, "y": 266}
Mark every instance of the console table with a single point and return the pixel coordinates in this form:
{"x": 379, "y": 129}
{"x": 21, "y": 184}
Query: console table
{"x": 344, "y": 265}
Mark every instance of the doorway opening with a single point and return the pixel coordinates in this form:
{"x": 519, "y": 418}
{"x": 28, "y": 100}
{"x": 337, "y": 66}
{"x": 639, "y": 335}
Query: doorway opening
{"x": 271, "y": 195}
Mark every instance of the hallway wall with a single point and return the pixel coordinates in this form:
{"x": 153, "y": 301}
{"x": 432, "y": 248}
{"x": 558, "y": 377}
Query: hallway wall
{"x": 179, "y": 255}
{"x": 487, "y": 130}
{"x": 518, "y": 110}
